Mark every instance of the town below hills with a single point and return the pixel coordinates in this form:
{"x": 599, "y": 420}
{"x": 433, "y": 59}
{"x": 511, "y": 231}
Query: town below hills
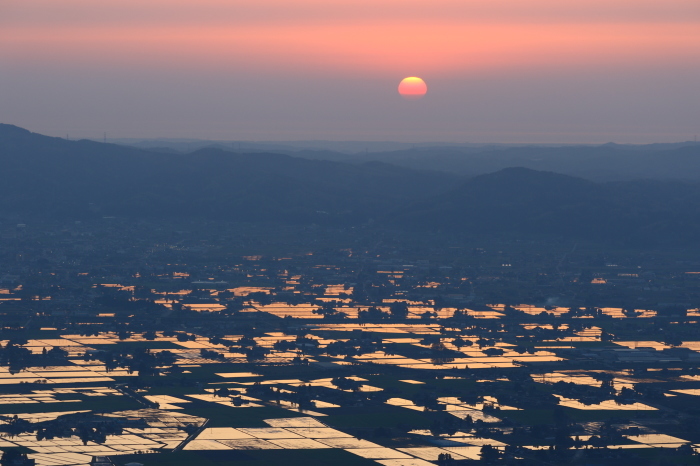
{"x": 629, "y": 196}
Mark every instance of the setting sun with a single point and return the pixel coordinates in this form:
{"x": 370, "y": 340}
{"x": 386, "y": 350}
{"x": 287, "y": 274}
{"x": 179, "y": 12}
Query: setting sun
{"x": 412, "y": 88}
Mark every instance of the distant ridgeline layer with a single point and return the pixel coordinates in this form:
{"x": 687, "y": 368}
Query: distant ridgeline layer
{"x": 607, "y": 162}
{"x": 84, "y": 179}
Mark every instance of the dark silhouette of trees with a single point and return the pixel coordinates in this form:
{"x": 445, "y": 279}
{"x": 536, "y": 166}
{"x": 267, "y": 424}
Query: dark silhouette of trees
{"x": 373, "y": 314}
{"x": 489, "y": 454}
{"x": 13, "y": 457}
{"x": 398, "y": 310}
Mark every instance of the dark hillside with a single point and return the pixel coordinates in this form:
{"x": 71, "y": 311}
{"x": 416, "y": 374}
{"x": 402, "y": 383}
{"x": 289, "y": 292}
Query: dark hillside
{"x": 81, "y": 179}
{"x": 44, "y": 175}
{"x": 519, "y": 202}
{"x": 608, "y": 162}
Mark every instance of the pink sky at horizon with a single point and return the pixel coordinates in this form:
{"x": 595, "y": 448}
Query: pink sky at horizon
{"x": 577, "y": 71}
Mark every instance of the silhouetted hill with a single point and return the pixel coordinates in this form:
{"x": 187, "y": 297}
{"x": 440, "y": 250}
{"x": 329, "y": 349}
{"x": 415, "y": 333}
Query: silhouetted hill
{"x": 608, "y": 162}
{"x": 524, "y": 203}
{"x": 76, "y": 179}
{"x": 45, "y": 175}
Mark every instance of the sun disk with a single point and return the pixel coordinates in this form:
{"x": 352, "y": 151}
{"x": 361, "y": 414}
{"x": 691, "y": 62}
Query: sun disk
{"x": 412, "y": 88}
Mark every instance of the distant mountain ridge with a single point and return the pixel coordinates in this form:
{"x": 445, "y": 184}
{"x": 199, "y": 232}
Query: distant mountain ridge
{"x": 608, "y": 162}
{"x": 604, "y": 162}
{"x": 525, "y": 203}
{"x": 85, "y": 179}
{"x": 54, "y": 176}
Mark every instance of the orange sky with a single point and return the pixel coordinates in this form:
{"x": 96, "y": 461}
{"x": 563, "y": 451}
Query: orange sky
{"x": 380, "y": 48}
{"x": 309, "y": 44}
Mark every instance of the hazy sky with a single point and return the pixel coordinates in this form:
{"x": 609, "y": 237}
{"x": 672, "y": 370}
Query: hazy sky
{"x": 497, "y": 70}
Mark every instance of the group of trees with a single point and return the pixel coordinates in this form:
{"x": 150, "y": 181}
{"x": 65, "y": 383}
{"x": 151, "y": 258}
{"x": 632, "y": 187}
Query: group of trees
{"x": 87, "y": 427}
{"x": 17, "y": 358}
{"x": 140, "y": 360}
{"x": 14, "y": 457}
